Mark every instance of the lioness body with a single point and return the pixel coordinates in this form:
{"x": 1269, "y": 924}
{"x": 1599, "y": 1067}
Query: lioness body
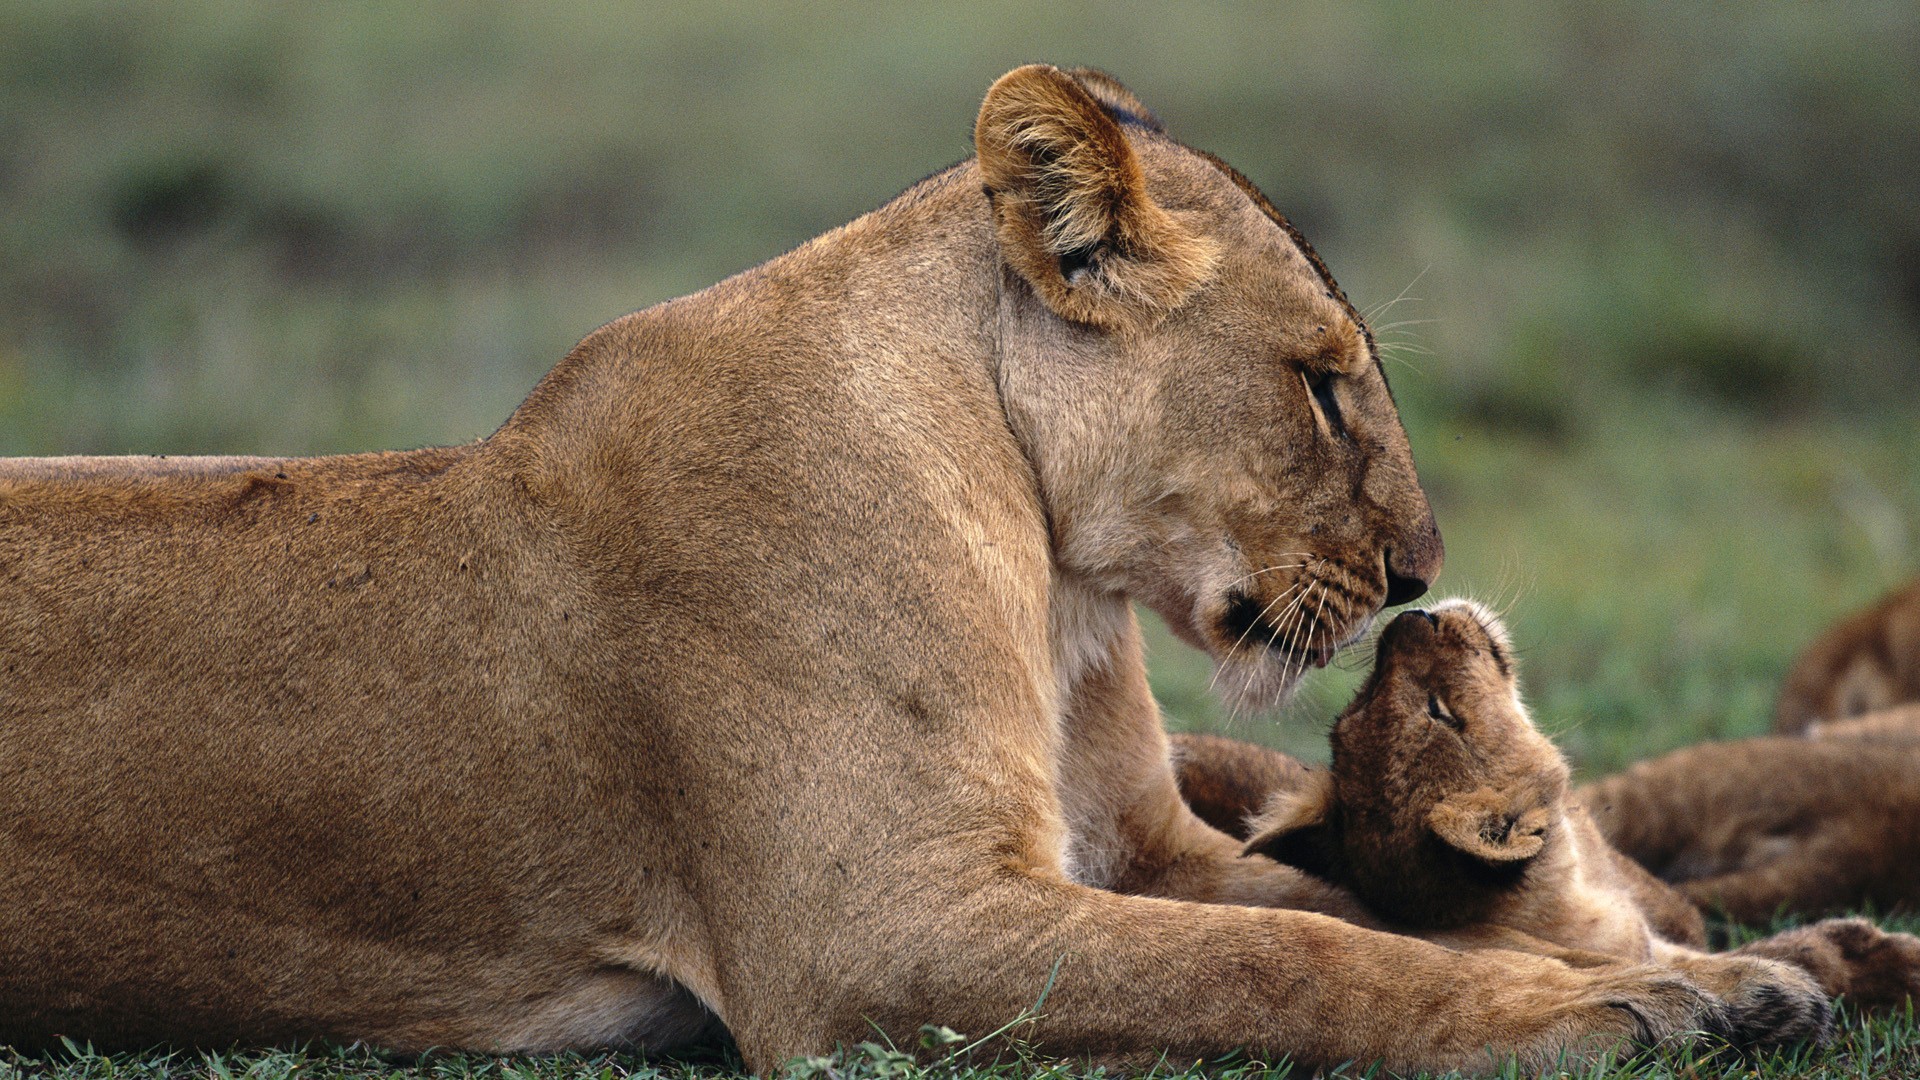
{"x": 772, "y": 663}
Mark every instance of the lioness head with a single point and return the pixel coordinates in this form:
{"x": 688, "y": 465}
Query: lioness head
{"x": 1207, "y": 414}
{"x": 1441, "y": 791}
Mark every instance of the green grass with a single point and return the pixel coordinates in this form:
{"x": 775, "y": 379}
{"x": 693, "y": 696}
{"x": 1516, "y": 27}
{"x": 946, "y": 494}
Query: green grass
{"x": 1650, "y": 274}
{"x": 1885, "y": 1046}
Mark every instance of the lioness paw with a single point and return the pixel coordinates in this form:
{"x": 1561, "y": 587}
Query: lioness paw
{"x": 1560, "y": 1013}
{"x": 1773, "y": 1004}
{"x": 1650, "y": 1007}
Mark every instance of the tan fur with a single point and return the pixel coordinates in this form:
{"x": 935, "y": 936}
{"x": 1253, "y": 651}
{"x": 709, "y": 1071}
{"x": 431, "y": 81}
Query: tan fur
{"x": 1864, "y": 663}
{"x": 1227, "y": 783}
{"x": 1761, "y": 826}
{"x": 1447, "y": 812}
{"x": 772, "y": 663}
{"x": 1899, "y": 724}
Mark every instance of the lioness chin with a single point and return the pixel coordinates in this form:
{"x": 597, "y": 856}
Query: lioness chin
{"x": 771, "y": 665}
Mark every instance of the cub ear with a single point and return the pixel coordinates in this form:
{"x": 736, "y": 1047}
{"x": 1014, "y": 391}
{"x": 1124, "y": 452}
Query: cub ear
{"x": 1296, "y": 827}
{"x": 1496, "y": 827}
{"x": 1070, "y": 204}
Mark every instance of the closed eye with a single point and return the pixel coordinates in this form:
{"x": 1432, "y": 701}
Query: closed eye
{"x": 1320, "y": 387}
{"x": 1440, "y": 712}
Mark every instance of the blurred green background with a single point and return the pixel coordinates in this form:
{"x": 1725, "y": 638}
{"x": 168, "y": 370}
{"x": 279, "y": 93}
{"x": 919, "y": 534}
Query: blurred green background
{"x": 1650, "y": 271}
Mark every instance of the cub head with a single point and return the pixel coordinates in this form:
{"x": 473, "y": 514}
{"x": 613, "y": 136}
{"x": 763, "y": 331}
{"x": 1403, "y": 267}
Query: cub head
{"x": 1207, "y": 414}
{"x": 1442, "y": 794}
{"x": 1864, "y": 663}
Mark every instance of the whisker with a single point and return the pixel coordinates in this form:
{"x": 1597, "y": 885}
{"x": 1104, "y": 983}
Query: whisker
{"x": 1253, "y": 670}
{"x": 1380, "y": 309}
{"x": 1293, "y": 664}
{"x": 1225, "y": 660}
{"x": 1277, "y": 566}
{"x": 1378, "y": 330}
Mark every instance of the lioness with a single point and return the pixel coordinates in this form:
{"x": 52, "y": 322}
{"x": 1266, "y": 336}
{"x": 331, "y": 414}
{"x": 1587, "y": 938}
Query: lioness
{"x": 1446, "y": 811}
{"x": 1866, "y": 662}
{"x": 773, "y": 663}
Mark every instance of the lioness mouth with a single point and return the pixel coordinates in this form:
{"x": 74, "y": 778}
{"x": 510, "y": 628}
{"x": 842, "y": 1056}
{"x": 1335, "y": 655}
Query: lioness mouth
{"x": 1248, "y": 620}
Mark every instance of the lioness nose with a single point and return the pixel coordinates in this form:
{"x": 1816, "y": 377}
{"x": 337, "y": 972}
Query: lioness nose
{"x": 1403, "y": 588}
{"x": 1413, "y": 561}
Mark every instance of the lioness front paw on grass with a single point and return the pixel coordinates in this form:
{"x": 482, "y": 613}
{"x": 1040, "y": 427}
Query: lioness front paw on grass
{"x": 1618, "y": 1008}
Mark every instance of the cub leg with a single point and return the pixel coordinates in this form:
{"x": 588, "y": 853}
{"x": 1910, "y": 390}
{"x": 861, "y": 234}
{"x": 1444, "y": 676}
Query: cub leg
{"x": 1851, "y": 958}
{"x": 1806, "y": 878}
{"x": 1226, "y": 781}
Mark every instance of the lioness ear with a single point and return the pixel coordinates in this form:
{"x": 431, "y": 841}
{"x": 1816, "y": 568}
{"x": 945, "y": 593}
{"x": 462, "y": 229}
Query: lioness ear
{"x": 1296, "y": 827}
{"x": 1492, "y": 826}
{"x": 1070, "y": 204}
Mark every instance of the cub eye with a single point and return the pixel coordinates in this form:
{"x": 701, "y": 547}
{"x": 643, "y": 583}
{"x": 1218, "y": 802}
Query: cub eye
{"x": 1439, "y": 712}
{"x": 1320, "y": 388}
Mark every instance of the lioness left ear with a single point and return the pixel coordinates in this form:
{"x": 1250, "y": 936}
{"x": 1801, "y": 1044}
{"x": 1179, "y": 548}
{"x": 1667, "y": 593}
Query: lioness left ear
{"x": 1070, "y": 205}
{"x": 1296, "y": 828}
{"x": 1492, "y": 826}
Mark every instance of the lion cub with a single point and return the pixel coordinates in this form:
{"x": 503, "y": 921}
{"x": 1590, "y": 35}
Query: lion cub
{"x": 1448, "y": 813}
{"x": 1864, "y": 663}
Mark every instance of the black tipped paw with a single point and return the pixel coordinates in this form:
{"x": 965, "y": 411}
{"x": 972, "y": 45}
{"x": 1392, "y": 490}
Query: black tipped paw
{"x": 1770, "y": 1015}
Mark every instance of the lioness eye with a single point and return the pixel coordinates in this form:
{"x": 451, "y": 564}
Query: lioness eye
{"x": 1439, "y": 712}
{"x": 1320, "y": 385}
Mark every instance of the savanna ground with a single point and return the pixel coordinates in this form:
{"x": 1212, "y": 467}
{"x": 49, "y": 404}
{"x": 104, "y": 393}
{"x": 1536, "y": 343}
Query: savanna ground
{"x": 1649, "y": 277}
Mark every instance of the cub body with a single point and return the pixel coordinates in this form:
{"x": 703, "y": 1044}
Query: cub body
{"x": 1754, "y": 827}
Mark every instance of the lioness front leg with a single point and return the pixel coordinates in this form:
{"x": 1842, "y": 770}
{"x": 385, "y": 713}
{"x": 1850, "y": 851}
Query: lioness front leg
{"x": 1134, "y": 832}
{"x": 1134, "y": 977}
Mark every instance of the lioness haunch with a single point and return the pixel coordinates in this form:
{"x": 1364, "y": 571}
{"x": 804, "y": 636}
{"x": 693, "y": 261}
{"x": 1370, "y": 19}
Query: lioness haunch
{"x": 1447, "y": 812}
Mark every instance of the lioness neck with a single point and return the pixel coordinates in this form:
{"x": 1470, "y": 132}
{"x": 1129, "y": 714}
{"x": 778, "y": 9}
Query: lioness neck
{"x": 881, "y": 339}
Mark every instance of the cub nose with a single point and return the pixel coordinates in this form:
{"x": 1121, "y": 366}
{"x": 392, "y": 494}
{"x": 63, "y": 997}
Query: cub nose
{"x": 1418, "y": 622}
